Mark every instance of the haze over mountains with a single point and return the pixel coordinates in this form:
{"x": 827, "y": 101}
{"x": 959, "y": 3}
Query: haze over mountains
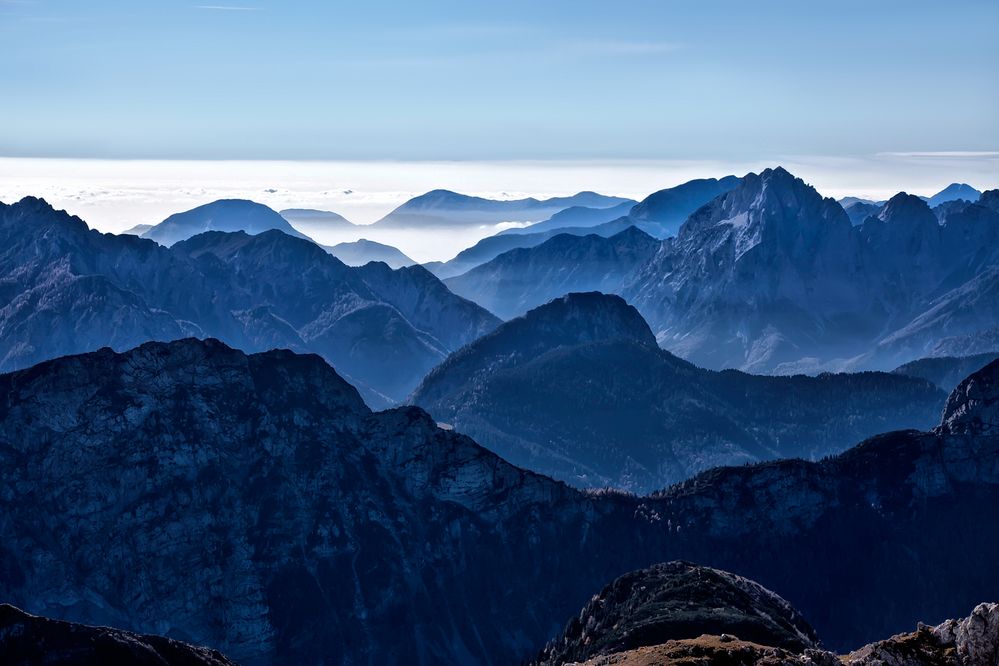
{"x": 363, "y": 251}
{"x": 443, "y": 208}
{"x": 69, "y": 289}
{"x": 271, "y": 515}
{"x": 770, "y": 277}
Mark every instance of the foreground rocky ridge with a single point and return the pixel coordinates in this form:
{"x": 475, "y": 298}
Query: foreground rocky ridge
{"x": 27, "y": 640}
{"x": 577, "y": 389}
{"x": 682, "y": 614}
{"x": 254, "y": 504}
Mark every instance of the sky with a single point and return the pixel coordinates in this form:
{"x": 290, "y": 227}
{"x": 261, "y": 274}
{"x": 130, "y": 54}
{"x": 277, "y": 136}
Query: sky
{"x": 125, "y": 111}
{"x": 513, "y": 80}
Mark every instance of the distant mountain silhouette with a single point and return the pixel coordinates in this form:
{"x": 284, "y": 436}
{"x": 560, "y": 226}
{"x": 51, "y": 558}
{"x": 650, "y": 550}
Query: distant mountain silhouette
{"x": 222, "y": 215}
{"x": 443, "y": 208}
{"x": 669, "y": 208}
{"x": 362, "y": 251}
{"x": 575, "y": 217}
{"x": 953, "y": 192}
{"x": 859, "y": 211}
{"x": 138, "y": 229}
{"x": 324, "y": 220}
{"x": 521, "y": 279}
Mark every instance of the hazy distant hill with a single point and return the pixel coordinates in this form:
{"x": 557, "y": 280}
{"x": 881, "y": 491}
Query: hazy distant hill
{"x": 953, "y": 192}
{"x": 362, "y": 251}
{"x": 520, "y": 279}
{"x": 222, "y": 215}
{"x": 443, "y": 208}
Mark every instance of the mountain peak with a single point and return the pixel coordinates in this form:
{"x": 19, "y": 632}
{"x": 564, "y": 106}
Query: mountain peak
{"x": 570, "y": 320}
{"x": 953, "y": 192}
{"x": 904, "y": 208}
{"x": 973, "y": 407}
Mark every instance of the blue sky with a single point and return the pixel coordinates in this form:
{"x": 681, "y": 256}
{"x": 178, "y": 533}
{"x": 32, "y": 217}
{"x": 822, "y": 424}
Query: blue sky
{"x": 662, "y": 79}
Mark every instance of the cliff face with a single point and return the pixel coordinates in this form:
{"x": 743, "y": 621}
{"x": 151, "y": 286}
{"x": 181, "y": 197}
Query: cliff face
{"x": 254, "y": 504}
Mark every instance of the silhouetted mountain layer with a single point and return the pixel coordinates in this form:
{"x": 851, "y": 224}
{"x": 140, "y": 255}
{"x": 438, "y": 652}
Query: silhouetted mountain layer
{"x": 138, "y": 229}
{"x": 318, "y": 220}
{"x": 360, "y": 252}
{"x": 860, "y": 211}
{"x": 254, "y": 504}
{"x": 443, "y": 208}
{"x": 521, "y": 279}
{"x": 770, "y": 277}
{"x": 946, "y": 371}
{"x": 575, "y": 216}
{"x": 28, "y": 640}
{"x": 222, "y": 215}
{"x": 669, "y": 208}
{"x": 577, "y": 389}
{"x": 954, "y": 192}
{"x": 66, "y": 289}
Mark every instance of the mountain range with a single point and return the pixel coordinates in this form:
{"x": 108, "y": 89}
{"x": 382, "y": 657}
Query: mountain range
{"x": 255, "y": 504}
{"x": 65, "y": 288}
{"x": 771, "y": 277}
{"x": 523, "y": 278}
{"x": 443, "y": 208}
{"x": 657, "y": 215}
{"x": 577, "y": 389}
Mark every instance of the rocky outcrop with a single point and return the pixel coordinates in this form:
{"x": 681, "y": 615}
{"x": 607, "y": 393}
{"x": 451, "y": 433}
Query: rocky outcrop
{"x": 679, "y": 613}
{"x": 675, "y": 601}
{"x": 26, "y": 640}
{"x": 973, "y": 407}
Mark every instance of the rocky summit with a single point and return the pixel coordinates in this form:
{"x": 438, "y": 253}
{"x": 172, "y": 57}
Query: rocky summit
{"x": 677, "y": 614}
{"x": 674, "y": 601}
